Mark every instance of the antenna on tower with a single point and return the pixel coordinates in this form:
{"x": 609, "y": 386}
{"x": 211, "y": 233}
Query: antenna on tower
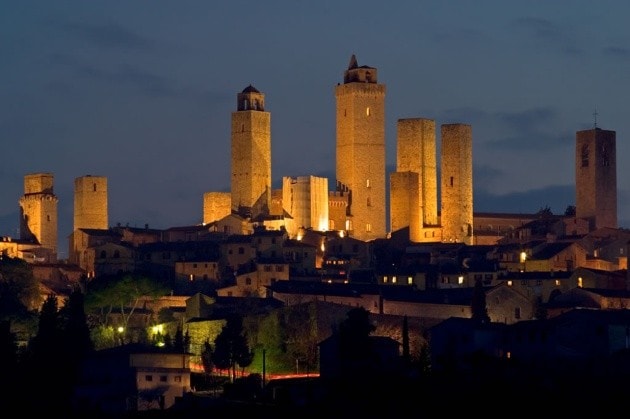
{"x": 595, "y": 118}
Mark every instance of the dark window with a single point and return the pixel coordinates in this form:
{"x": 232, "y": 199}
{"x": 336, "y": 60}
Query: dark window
{"x": 163, "y": 378}
{"x": 148, "y": 378}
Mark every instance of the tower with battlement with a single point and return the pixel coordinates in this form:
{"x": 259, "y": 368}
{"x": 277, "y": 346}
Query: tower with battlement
{"x": 90, "y": 203}
{"x": 456, "y": 180}
{"x": 251, "y": 154}
{"x": 596, "y": 177}
{"x": 360, "y": 152}
{"x": 38, "y": 213}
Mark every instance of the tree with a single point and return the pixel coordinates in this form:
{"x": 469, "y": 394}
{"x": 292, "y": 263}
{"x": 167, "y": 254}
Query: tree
{"x": 570, "y": 211}
{"x": 478, "y": 304}
{"x": 231, "y": 347}
{"x": 19, "y": 290}
{"x": 355, "y": 351}
{"x": 121, "y": 295}
{"x": 544, "y": 212}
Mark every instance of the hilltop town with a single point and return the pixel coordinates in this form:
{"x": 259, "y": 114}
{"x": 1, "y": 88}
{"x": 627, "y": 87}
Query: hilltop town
{"x": 260, "y": 250}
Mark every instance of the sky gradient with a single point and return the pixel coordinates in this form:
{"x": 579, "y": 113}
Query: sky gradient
{"x": 142, "y": 93}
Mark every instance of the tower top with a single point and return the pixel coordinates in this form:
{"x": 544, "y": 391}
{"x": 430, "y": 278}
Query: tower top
{"x": 250, "y": 99}
{"x": 356, "y": 74}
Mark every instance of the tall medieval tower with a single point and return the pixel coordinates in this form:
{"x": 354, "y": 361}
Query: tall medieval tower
{"x": 90, "y": 203}
{"x": 38, "y": 212}
{"x": 251, "y": 154}
{"x": 360, "y": 165}
{"x": 596, "y": 177}
{"x": 413, "y": 187}
{"x": 456, "y": 182}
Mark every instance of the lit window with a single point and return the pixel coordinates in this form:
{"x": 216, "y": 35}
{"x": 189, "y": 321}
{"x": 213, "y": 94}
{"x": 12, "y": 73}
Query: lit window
{"x": 191, "y": 277}
{"x": 557, "y": 282}
{"x": 460, "y": 280}
{"x": 367, "y": 183}
{"x": 580, "y": 282}
{"x": 393, "y": 279}
{"x": 509, "y": 283}
{"x": 368, "y": 227}
{"x": 409, "y": 280}
{"x": 385, "y": 280}
{"x": 367, "y": 111}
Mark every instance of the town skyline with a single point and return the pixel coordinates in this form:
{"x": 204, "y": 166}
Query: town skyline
{"x": 144, "y": 101}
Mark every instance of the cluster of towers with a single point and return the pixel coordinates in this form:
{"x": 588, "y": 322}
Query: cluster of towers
{"x": 357, "y": 205}
{"x": 359, "y": 202}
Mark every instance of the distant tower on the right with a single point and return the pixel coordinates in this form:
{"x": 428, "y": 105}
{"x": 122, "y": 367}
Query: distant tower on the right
{"x": 596, "y": 177}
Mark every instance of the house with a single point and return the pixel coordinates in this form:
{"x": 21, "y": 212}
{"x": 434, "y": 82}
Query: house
{"x": 132, "y": 377}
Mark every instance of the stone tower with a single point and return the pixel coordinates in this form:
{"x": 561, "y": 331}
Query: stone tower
{"x": 251, "y": 154}
{"x": 456, "y": 215}
{"x": 38, "y": 213}
{"x": 415, "y": 153}
{"x": 360, "y": 164}
{"x": 596, "y": 177}
{"x": 90, "y": 203}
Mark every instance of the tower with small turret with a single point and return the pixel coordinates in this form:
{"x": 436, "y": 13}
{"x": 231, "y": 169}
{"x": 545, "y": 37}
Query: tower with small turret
{"x": 251, "y": 154}
{"x": 360, "y": 153}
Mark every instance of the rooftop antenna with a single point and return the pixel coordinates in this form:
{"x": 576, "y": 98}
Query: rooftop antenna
{"x": 595, "y": 118}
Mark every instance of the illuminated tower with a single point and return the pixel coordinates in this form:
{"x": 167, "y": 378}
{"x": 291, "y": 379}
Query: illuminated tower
{"x": 596, "y": 177}
{"x": 38, "y": 212}
{"x": 456, "y": 216}
{"x": 360, "y": 154}
{"x": 90, "y": 203}
{"x": 216, "y": 205}
{"x": 251, "y": 154}
{"x": 305, "y": 198}
{"x": 413, "y": 187}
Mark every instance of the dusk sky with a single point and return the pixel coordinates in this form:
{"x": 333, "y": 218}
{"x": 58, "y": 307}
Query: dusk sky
{"x": 142, "y": 93}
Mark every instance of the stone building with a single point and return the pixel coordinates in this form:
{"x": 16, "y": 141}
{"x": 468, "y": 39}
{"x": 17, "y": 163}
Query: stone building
{"x": 456, "y": 179}
{"x": 216, "y": 205}
{"x": 596, "y": 177}
{"x": 251, "y": 154}
{"x": 360, "y": 153}
{"x": 38, "y": 214}
{"x": 305, "y": 198}
{"x": 90, "y": 203}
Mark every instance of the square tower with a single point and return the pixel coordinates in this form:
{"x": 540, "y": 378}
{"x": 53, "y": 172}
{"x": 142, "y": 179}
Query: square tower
{"x": 38, "y": 213}
{"x": 360, "y": 153}
{"x": 416, "y": 152}
{"x": 456, "y": 179}
{"x": 305, "y": 198}
{"x": 596, "y": 177}
{"x": 251, "y": 154}
{"x": 90, "y": 203}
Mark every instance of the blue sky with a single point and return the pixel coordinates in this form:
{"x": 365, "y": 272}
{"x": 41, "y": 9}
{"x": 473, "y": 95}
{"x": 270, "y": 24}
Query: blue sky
{"x": 142, "y": 93}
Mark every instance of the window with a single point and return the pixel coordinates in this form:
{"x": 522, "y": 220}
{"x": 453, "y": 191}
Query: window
{"x": 367, "y": 183}
{"x": 384, "y": 280}
{"x": 279, "y": 268}
{"x": 452, "y": 180}
{"x": 241, "y": 250}
{"x": 517, "y": 313}
{"x": 267, "y": 268}
{"x": 367, "y": 111}
{"x": 248, "y": 281}
{"x": 103, "y": 254}
{"x": 163, "y": 378}
{"x": 368, "y": 227}
{"x": 148, "y": 378}
{"x": 369, "y": 202}
{"x": 409, "y": 280}
{"x": 585, "y": 155}
{"x": 177, "y": 379}
{"x": 116, "y": 254}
